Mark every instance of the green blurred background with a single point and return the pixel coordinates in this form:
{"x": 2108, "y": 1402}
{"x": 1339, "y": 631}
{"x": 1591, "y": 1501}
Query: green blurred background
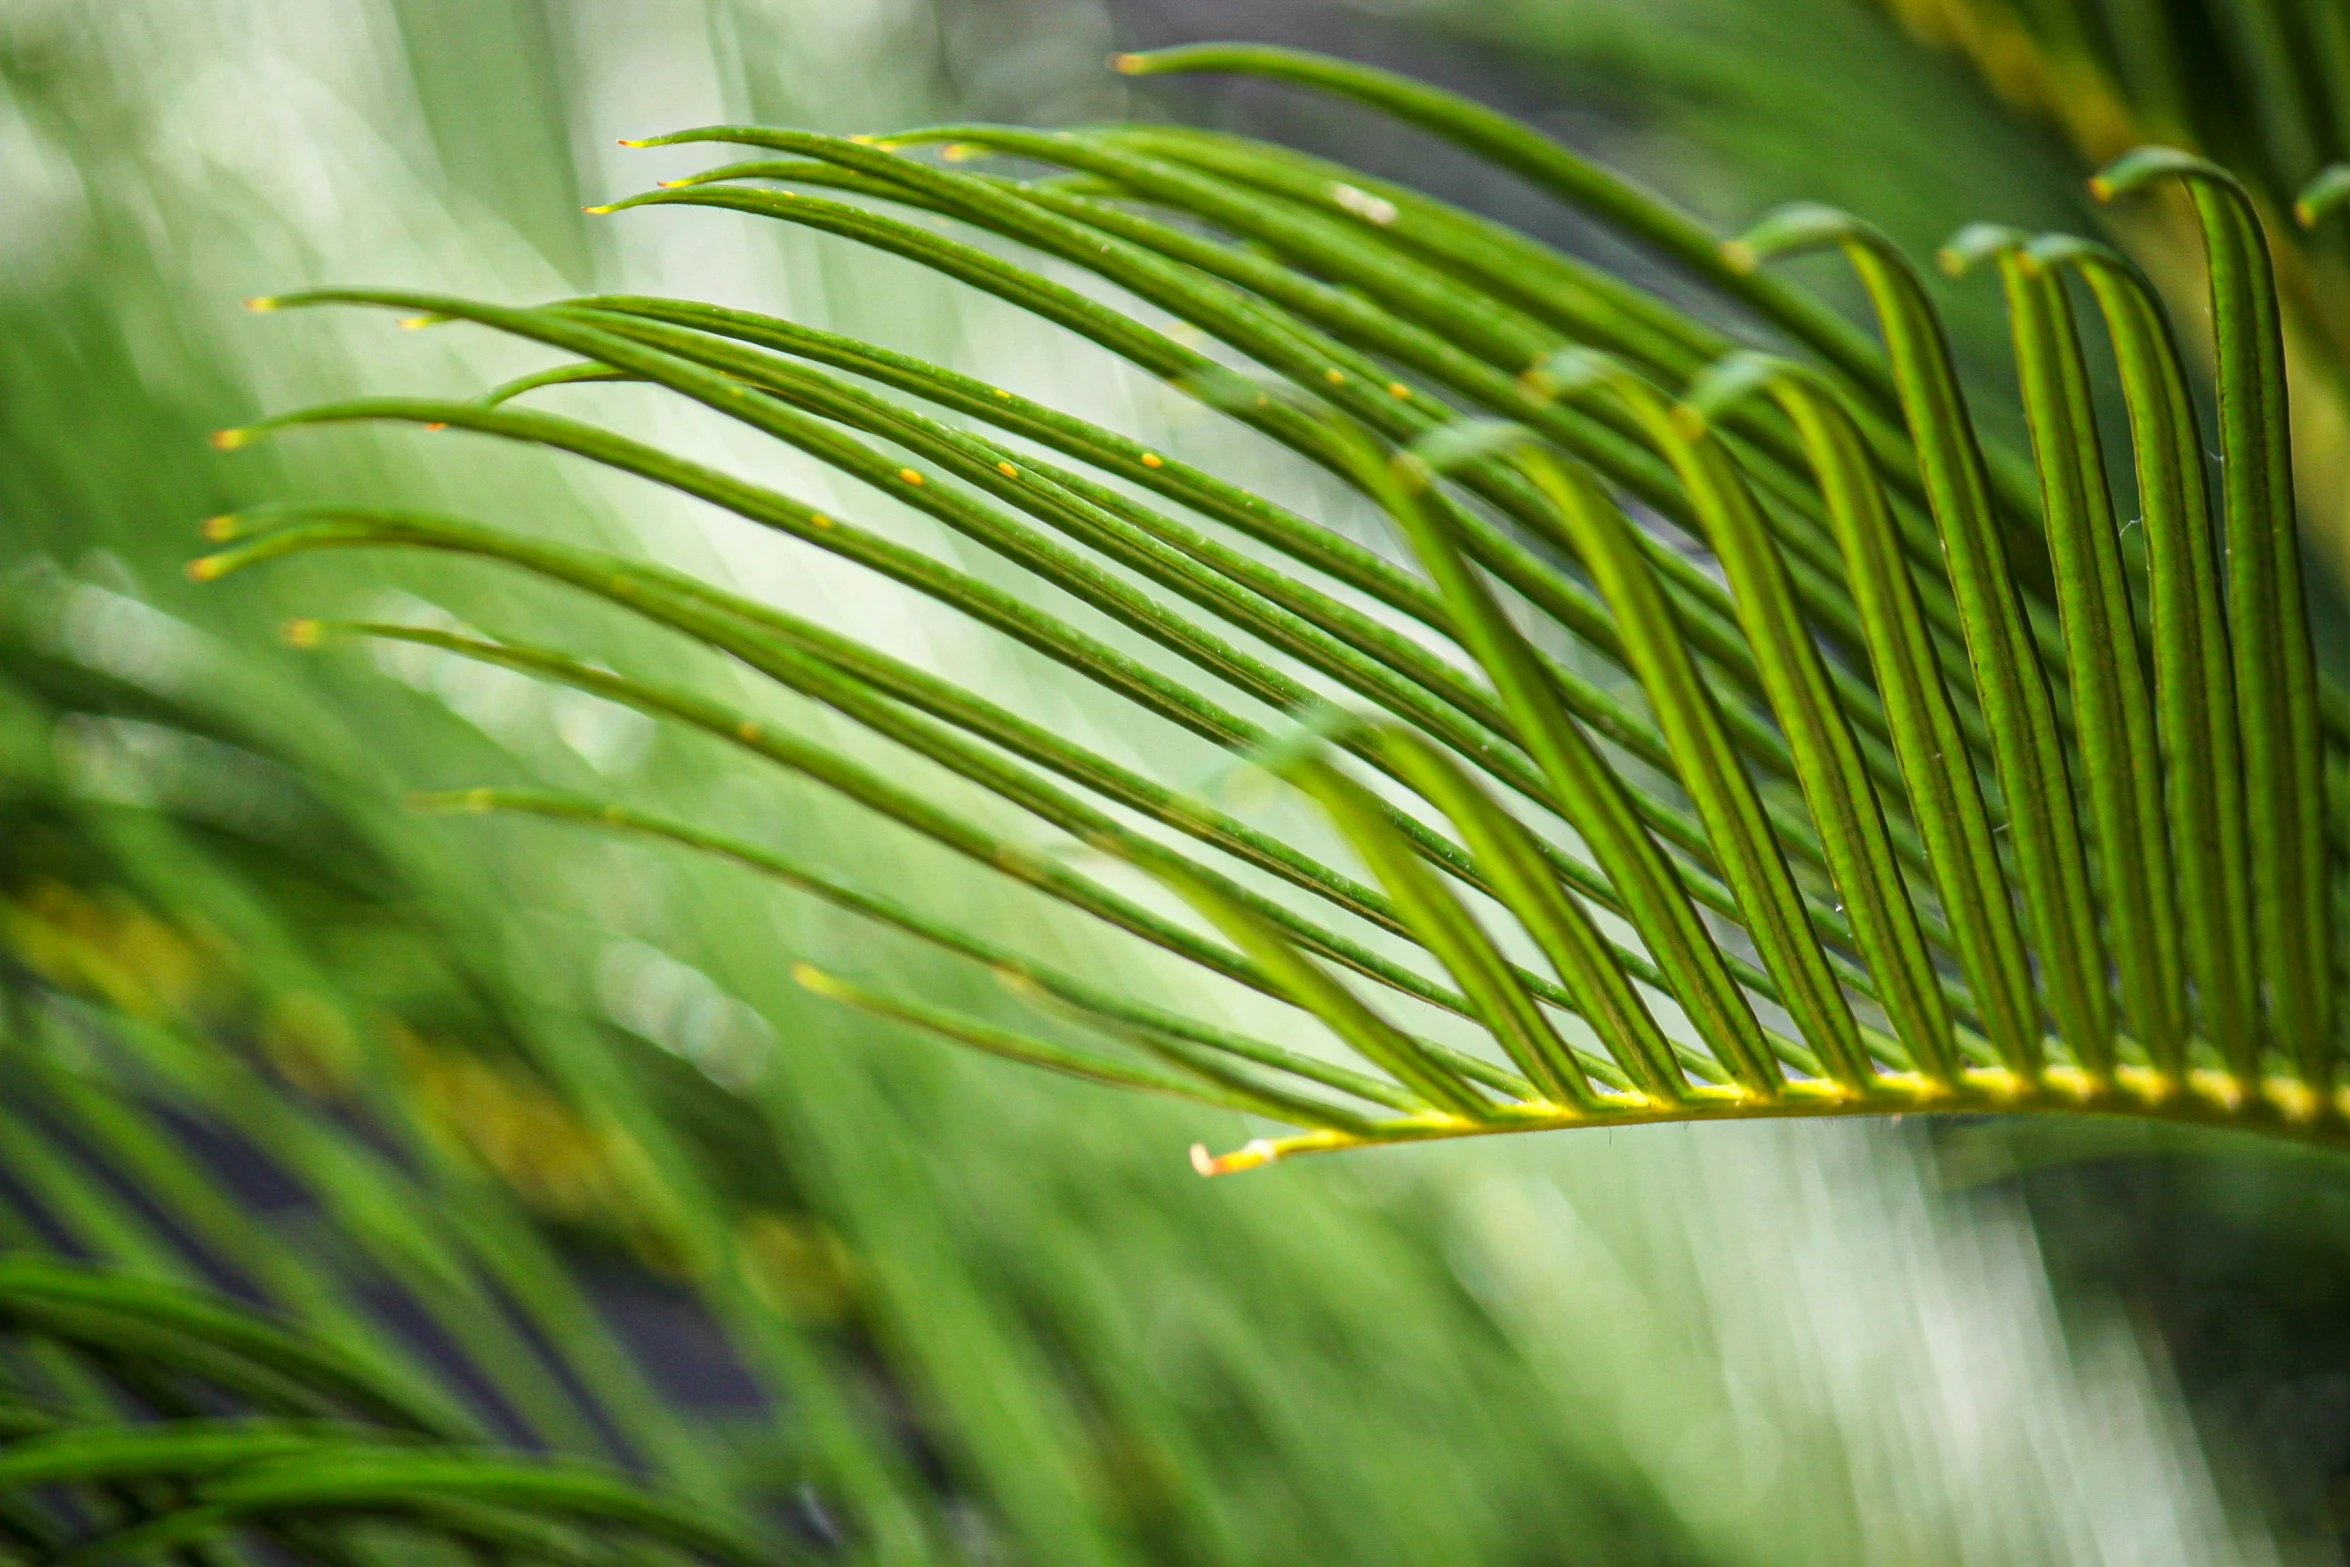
{"x": 268, "y": 1028}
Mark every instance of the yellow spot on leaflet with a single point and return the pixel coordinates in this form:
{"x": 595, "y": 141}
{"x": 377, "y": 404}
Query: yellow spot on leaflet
{"x": 909, "y": 475}
{"x": 1153, "y": 460}
{"x": 1007, "y": 470}
{"x": 206, "y": 569}
{"x": 597, "y": 211}
{"x": 260, "y": 302}
{"x": 1739, "y": 257}
{"x": 1398, "y": 389}
{"x": 2101, "y": 188}
{"x": 228, "y": 440}
{"x": 416, "y": 323}
{"x": 634, "y": 141}
{"x": 818, "y": 519}
{"x": 1000, "y": 392}
{"x": 221, "y": 528}
{"x": 862, "y": 141}
{"x": 441, "y": 424}
{"x": 303, "y": 633}
{"x": 747, "y": 730}
{"x": 481, "y": 800}
{"x": 1334, "y": 377}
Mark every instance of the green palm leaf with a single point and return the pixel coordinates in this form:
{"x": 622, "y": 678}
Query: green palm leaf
{"x": 1753, "y": 737}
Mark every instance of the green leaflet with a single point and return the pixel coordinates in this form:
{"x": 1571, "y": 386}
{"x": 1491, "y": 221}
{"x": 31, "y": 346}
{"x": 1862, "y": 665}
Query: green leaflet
{"x": 2268, "y": 625}
{"x": 1015, "y": 969}
{"x": 1757, "y": 875}
{"x": 1505, "y": 1007}
{"x": 2008, "y": 676}
{"x": 849, "y": 678}
{"x": 1957, "y": 827}
{"x": 774, "y": 642}
{"x": 1305, "y": 983}
{"x": 991, "y": 606}
{"x": 2193, "y": 686}
{"x": 1329, "y": 369}
{"x": 905, "y": 807}
{"x": 1852, "y": 826}
{"x": 2323, "y": 196}
{"x": 856, "y": 781}
{"x": 1084, "y": 1065}
{"x": 1593, "y": 794}
{"x": 1526, "y": 151}
{"x": 1378, "y": 301}
{"x": 1544, "y": 162}
{"x": 1581, "y": 957}
{"x": 2119, "y": 770}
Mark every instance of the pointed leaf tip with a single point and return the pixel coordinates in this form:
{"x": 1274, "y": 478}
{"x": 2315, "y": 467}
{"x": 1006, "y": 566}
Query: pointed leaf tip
{"x": 261, "y": 303}
{"x": 1975, "y": 244}
{"x": 205, "y": 568}
{"x": 220, "y": 529}
{"x": 597, "y": 211}
{"x": 2323, "y": 195}
{"x": 304, "y": 634}
{"x": 1126, "y": 64}
{"x": 227, "y": 440}
{"x": 2141, "y": 166}
{"x": 1739, "y": 257}
{"x": 1257, "y": 1152}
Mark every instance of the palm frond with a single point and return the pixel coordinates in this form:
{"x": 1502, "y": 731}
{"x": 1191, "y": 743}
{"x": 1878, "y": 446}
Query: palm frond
{"x": 1827, "y": 758}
